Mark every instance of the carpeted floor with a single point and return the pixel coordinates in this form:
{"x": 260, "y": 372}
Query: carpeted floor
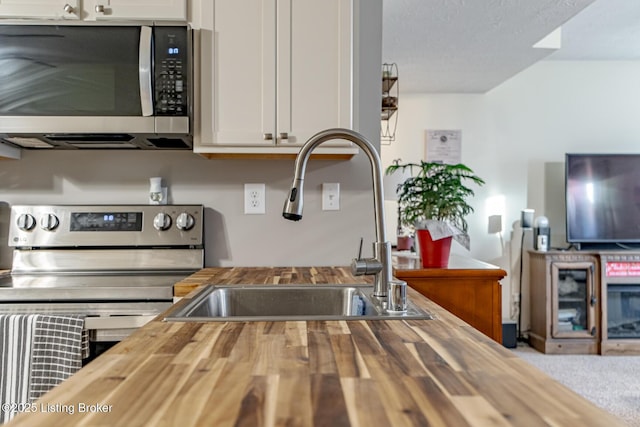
{"x": 610, "y": 382}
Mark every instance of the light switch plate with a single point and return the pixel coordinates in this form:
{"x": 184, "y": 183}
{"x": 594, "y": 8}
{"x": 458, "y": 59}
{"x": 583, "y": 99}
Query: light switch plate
{"x": 331, "y": 196}
{"x": 495, "y": 224}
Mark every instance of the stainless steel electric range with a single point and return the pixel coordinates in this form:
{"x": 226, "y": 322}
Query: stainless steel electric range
{"x": 116, "y": 265}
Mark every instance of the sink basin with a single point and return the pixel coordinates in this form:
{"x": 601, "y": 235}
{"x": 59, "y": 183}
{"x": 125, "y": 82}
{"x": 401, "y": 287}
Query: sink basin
{"x": 287, "y": 302}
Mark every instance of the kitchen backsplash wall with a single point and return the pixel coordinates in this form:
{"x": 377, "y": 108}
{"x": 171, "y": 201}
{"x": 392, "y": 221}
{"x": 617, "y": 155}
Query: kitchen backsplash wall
{"x": 232, "y": 238}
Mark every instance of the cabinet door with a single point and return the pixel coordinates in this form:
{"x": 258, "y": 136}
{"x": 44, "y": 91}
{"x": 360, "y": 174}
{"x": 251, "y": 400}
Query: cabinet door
{"x": 237, "y": 74}
{"x": 272, "y": 74}
{"x": 573, "y": 300}
{"x": 314, "y": 86}
{"x": 170, "y": 10}
{"x": 47, "y": 9}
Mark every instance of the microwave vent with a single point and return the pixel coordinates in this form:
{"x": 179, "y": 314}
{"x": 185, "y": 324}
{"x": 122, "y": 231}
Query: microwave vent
{"x": 94, "y": 137}
{"x": 81, "y": 141}
{"x": 28, "y": 142}
{"x": 94, "y": 141}
{"x": 168, "y": 143}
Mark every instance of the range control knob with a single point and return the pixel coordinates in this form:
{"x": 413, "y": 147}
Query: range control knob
{"x": 26, "y": 222}
{"x": 162, "y": 221}
{"x": 49, "y": 222}
{"x": 185, "y": 221}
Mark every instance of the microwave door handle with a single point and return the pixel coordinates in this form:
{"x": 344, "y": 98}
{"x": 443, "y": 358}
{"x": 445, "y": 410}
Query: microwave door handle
{"x": 144, "y": 66}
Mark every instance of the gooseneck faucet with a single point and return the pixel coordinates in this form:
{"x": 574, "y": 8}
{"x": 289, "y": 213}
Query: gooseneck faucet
{"x": 380, "y": 264}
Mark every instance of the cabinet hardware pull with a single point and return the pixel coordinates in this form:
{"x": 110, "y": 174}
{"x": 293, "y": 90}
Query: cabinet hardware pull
{"x": 593, "y": 285}
{"x": 267, "y": 136}
{"x": 99, "y": 8}
{"x": 68, "y": 8}
{"x": 284, "y": 135}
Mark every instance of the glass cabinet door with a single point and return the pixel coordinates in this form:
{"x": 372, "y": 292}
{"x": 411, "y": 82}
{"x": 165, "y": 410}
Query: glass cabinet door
{"x": 573, "y": 300}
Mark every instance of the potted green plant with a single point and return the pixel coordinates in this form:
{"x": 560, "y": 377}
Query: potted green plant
{"x": 434, "y": 202}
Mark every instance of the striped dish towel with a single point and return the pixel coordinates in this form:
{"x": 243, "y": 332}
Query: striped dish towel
{"x": 57, "y": 352}
{"x": 16, "y": 344}
{"x": 37, "y": 352}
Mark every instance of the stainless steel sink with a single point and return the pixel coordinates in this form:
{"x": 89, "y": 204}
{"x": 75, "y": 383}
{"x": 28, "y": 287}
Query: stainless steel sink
{"x": 287, "y": 302}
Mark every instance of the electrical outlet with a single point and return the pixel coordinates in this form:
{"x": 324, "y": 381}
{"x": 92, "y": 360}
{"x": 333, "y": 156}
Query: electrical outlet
{"x": 254, "y": 199}
{"x": 331, "y": 196}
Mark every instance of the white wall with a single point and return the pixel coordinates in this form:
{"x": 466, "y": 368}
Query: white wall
{"x": 515, "y": 138}
{"x": 232, "y": 238}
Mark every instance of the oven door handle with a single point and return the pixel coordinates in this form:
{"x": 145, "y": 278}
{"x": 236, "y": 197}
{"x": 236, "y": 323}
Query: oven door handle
{"x": 117, "y": 322}
{"x": 144, "y": 69}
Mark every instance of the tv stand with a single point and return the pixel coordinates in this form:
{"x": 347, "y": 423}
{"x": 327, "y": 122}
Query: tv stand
{"x": 585, "y": 302}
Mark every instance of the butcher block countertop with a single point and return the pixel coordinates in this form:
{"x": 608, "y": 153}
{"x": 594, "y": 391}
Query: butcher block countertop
{"x": 437, "y": 372}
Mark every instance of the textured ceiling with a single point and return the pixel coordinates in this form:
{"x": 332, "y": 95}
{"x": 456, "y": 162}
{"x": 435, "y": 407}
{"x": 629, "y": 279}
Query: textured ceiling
{"x": 469, "y": 46}
{"x": 607, "y": 30}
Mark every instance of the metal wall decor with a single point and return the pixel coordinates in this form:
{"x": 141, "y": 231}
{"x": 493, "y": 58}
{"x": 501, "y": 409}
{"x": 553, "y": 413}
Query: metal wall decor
{"x": 389, "y": 102}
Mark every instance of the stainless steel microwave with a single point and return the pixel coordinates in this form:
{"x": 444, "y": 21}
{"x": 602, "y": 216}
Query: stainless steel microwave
{"x": 96, "y": 86}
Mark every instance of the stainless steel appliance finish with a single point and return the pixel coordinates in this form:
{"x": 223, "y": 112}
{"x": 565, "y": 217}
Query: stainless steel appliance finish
{"x": 137, "y": 226}
{"x": 106, "y": 85}
{"x": 114, "y": 264}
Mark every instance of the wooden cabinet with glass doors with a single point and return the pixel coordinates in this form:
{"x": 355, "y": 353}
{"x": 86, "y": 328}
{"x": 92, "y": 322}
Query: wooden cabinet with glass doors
{"x": 564, "y": 302}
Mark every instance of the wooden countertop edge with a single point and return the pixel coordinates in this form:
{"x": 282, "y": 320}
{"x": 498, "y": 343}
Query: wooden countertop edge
{"x": 442, "y": 273}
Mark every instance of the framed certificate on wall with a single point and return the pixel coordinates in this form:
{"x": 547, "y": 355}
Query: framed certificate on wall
{"x": 444, "y": 146}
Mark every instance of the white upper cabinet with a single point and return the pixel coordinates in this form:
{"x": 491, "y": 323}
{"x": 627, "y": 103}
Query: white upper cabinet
{"x": 314, "y": 73}
{"x": 238, "y": 74}
{"x": 169, "y": 10}
{"x": 272, "y": 74}
{"x": 40, "y": 9}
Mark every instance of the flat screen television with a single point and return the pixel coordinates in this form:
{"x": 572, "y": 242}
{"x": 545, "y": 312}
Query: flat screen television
{"x": 603, "y": 199}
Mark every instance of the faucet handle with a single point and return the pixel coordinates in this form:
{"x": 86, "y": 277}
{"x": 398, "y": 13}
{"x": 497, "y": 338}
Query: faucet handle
{"x": 361, "y": 266}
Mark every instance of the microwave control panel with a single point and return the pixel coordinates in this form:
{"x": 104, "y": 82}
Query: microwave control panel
{"x": 171, "y": 45}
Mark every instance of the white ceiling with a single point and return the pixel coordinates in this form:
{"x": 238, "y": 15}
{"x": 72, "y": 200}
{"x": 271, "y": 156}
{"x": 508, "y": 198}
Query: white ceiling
{"x": 471, "y": 46}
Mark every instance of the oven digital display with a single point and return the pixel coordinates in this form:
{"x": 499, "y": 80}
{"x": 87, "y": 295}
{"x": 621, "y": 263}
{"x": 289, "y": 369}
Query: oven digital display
{"x": 106, "y": 221}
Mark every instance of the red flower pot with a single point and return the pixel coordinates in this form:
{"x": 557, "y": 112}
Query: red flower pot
{"x": 434, "y": 253}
